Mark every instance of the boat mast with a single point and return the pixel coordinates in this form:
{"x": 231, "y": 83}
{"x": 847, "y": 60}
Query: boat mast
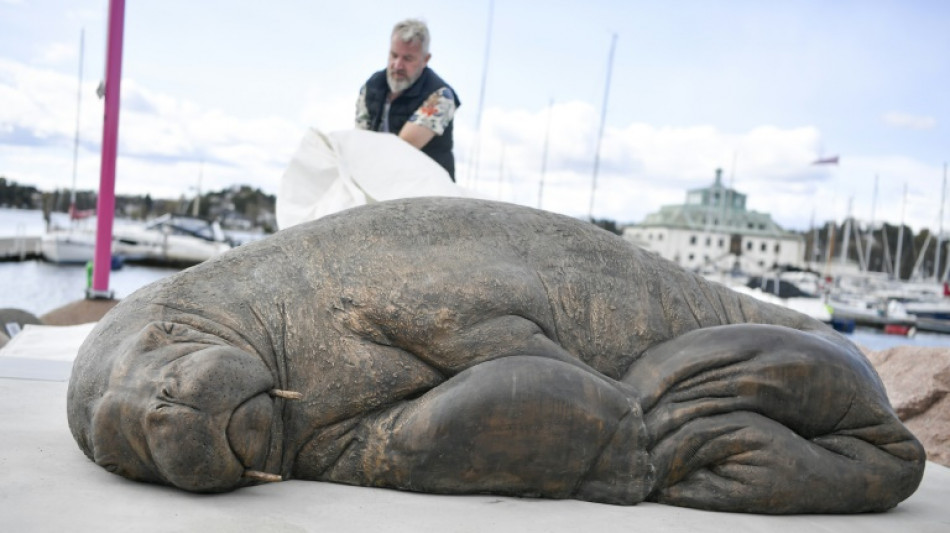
{"x": 867, "y": 253}
{"x": 105, "y": 206}
{"x": 196, "y": 206}
{"x": 847, "y": 233}
{"x": 830, "y": 250}
{"x": 829, "y": 253}
{"x": 887, "y": 251}
{"x": 813, "y": 256}
{"x": 473, "y": 162}
{"x": 603, "y": 119}
{"x": 544, "y": 154}
{"x": 72, "y": 194}
{"x": 921, "y": 256}
{"x": 855, "y": 229}
{"x": 943, "y": 197}
{"x": 900, "y": 236}
{"x": 501, "y": 172}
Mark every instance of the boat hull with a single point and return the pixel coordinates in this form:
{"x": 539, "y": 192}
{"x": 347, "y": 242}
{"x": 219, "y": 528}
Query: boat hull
{"x": 68, "y": 247}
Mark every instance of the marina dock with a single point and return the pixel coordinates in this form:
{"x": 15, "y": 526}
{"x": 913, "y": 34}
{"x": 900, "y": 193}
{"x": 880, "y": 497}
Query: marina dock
{"x": 19, "y": 248}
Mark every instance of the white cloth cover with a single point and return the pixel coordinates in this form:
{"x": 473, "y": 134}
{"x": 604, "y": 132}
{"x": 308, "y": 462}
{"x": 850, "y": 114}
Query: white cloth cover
{"x": 344, "y": 169}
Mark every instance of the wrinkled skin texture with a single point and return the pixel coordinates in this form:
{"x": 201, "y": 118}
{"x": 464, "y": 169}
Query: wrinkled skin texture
{"x": 462, "y": 346}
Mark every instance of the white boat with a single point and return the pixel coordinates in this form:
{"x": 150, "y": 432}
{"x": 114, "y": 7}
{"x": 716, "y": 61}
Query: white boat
{"x": 788, "y": 284}
{"x": 170, "y": 239}
{"x": 813, "y": 307}
{"x": 939, "y": 309}
{"x": 68, "y": 246}
{"x": 797, "y": 300}
{"x": 931, "y": 310}
{"x": 848, "y": 310}
{"x": 76, "y": 243}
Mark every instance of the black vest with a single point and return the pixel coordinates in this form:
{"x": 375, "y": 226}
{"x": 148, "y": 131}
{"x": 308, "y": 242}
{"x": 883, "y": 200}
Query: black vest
{"x": 440, "y": 147}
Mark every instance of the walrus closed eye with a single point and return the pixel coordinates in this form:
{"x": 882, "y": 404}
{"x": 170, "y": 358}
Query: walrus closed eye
{"x": 461, "y": 346}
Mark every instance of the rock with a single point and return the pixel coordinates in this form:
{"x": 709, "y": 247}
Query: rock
{"x": 917, "y": 380}
{"x": 78, "y": 312}
{"x": 12, "y": 321}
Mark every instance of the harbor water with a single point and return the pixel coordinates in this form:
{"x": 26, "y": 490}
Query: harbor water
{"x": 40, "y": 287}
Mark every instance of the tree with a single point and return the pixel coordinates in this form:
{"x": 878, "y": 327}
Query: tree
{"x": 607, "y": 224}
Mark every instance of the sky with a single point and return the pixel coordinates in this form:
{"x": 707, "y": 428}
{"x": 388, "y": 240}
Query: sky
{"x": 221, "y": 93}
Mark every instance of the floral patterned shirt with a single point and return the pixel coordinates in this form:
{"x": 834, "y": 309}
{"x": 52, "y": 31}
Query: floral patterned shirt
{"x": 435, "y": 113}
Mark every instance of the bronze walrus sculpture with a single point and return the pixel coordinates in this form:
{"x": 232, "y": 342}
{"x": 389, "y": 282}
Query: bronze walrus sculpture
{"x": 462, "y": 346}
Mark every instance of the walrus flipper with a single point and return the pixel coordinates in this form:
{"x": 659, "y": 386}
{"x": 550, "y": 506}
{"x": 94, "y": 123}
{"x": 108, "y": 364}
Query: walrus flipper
{"x": 519, "y": 425}
{"x": 767, "y": 419}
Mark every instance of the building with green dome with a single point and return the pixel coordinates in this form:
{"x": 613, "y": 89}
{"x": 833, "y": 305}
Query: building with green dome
{"x": 713, "y": 230}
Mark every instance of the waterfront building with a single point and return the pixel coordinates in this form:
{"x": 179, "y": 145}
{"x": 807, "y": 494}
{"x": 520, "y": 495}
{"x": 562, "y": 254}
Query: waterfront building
{"x": 714, "y": 230}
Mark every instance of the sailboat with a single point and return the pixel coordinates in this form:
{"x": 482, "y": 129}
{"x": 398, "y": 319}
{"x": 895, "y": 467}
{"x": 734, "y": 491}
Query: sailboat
{"x": 74, "y": 244}
{"x": 68, "y": 246}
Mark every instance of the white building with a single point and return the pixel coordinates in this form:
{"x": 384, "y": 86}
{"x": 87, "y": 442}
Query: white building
{"x": 713, "y": 229}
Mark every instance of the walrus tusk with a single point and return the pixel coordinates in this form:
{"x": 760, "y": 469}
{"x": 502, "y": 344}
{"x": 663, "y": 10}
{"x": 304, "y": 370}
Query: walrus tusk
{"x": 262, "y": 476}
{"x": 288, "y": 394}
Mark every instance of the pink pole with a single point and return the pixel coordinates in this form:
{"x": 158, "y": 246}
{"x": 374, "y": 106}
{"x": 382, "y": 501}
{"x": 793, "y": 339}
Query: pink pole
{"x": 110, "y": 136}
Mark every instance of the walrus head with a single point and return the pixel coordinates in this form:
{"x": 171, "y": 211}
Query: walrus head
{"x": 165, "y": 406}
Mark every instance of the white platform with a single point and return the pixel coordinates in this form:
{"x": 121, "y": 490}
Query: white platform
{"x": 47, "y": 484}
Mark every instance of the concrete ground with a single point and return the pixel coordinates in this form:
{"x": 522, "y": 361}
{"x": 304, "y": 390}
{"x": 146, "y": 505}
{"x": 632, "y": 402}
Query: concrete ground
{"x": 47, "y": 484}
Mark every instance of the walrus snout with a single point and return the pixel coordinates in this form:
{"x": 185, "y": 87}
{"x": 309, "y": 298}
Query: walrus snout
{"x": 249, "y": 431}
{"x": 212, "y": 452}
{"x": 200, "y": 420}
{"x": 191, "y": 450}
{"x": 217, "y": 421}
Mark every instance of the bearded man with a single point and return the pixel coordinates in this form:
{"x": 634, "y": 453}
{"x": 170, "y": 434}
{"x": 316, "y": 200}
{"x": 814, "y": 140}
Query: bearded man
{"x": 410, "y": 99}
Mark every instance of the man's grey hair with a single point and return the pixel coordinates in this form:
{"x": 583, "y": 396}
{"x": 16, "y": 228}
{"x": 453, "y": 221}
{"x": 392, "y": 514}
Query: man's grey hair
{"x": 413, "y": 31}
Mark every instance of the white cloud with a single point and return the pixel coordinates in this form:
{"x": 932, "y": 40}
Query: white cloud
{"x": 322, "y": 110}
{"x": 58, "y": 52}
{"x": 922, "y": 207}
{"x": 642, "y": 166}
{"x": 40, "y": 100}
{"x": 168, "y": 143}
{"x": 897, "y": 119}
{"x": 163, "y": 140}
